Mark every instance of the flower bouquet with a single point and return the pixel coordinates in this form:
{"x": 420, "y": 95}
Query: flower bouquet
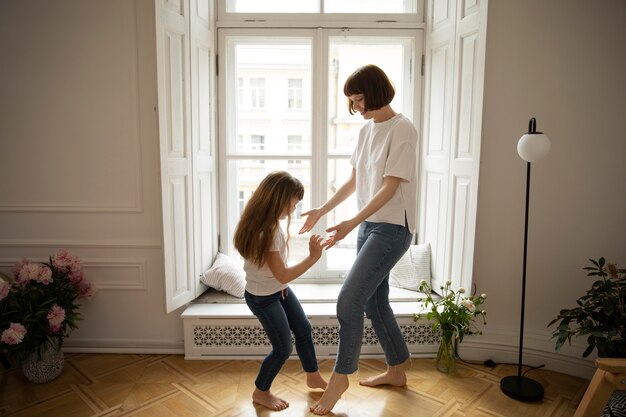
{"x": 38, "y": 308}
{"x": 453, "y": 314}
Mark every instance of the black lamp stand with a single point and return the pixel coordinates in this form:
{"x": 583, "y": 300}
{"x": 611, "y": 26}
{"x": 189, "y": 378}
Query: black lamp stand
{"x": 520, "y": 387}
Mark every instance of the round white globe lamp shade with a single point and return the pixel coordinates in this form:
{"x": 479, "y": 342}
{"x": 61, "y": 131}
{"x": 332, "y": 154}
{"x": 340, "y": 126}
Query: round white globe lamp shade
{"x": 533, "y": 146}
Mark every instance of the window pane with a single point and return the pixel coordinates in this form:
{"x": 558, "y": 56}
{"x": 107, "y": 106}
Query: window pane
{"x": 273, "y": 78}
{"x": 245, "y": 175}
{"x": 341, "y": 256}
{"x": 313, "y": 6}
{"x": 272, "y": 6}
{"x": 346, "y": 54}
{"x": 369, "y": 6}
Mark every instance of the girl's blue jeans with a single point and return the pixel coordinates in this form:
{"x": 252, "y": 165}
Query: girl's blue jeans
{"x": 366, "y": 290}
{"x": 280, "y": 314}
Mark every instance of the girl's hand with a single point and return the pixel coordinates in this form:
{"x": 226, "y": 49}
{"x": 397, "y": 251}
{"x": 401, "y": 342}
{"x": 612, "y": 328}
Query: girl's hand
{"x": 313, "y": 216}
{"x": 316, "y": 245}
{"x": 340, "y": 231}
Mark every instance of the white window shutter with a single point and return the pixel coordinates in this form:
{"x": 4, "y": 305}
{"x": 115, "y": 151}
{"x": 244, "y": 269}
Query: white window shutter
{"x": 203, "y": 134}
{"x": 184, "y": 52}
{"x": 454, "y": 75}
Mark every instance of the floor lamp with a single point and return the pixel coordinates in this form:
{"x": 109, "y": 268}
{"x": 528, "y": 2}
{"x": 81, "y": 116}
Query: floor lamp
{"x": 531, "y": 147}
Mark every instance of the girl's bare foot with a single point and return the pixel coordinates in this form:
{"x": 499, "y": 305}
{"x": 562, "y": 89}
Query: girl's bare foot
{"x": 336, "y": 387}
{"x": 394, "y": 376}
{"x": 315, "y": 380}
{"x": 269, "y": 400}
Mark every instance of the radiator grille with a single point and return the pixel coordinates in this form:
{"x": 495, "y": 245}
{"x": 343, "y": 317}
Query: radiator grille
{"x": 323, "y": 335}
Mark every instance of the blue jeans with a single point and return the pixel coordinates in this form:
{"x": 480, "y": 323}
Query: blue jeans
{"x": 366, "y": 290}
{"x": 280, "y": 314}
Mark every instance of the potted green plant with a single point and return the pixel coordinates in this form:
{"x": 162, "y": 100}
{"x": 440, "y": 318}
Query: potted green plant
{"x": 600, "y": 314}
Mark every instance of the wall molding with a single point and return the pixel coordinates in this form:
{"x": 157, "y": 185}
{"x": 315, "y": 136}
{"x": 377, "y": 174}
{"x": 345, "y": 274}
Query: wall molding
{"x": 134, "y": 203}
{"x": 121, "y": 244}
{"x": 135, "y": 279}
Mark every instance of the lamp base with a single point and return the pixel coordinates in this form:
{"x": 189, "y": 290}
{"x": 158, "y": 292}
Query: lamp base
{"x": 521, "y": 388}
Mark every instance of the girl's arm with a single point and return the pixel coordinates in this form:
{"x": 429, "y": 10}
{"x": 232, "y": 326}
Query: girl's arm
{"x": 340, "y": 196}
{"x": 285, "y": 274}
{"x": 384, "y": 194}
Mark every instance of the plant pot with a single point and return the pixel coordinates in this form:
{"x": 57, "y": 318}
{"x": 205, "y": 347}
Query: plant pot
{"x": 446, "y": 355}
{"x": 44, "y": 369}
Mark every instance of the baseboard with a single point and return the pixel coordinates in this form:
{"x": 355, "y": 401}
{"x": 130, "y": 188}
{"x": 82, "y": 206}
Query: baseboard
{"x": 497, "y": 344}
{"x": 124, "y": 346}
{"x": 502, "y": 346}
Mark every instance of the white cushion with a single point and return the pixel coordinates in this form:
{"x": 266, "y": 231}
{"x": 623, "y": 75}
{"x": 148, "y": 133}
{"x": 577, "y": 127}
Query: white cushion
{"x": 412, "y": 268}
{"x": 225, "y": 275}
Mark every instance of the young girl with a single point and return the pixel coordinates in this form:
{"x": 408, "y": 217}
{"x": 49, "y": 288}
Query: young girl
{"x": 384, "y": 178}
{"x": 262, "y": 243}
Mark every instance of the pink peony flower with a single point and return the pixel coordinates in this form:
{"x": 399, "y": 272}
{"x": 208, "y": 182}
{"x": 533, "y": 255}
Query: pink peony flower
{"x": 17, "y": 266}
{"x": 65, "y": 262}
{"x": 55, "y": 316}
{"x": 86, "y": 290}
{"x": 4, "y": 289}
{"x": 30, "y": 271}
{"x": 45, "y": 275}
{"x": 14, "y": 334}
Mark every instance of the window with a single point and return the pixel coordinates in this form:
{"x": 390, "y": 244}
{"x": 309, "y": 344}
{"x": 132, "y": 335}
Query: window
{"x": 322, "y": 134}
{"x": 204, "y": 184}
{"x": 294, "y": 93}
{"x": 294, "y": 143}
{"x": 257, "y": 92}
{"x": 316, "y": 6}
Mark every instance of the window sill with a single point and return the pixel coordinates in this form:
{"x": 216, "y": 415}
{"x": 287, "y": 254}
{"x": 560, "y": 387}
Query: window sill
{"x": 316, "y": 300}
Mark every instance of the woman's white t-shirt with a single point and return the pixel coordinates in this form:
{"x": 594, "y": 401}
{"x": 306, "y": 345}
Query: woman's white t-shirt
{"x": 261, "y": 281}
{"x": 387, "y": 148}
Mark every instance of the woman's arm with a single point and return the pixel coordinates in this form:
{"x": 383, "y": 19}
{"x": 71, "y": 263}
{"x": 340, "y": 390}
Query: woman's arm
{"x": 384, "y": 194}
{"x": 285, "y": 274}
{"x": 345, "y": 191}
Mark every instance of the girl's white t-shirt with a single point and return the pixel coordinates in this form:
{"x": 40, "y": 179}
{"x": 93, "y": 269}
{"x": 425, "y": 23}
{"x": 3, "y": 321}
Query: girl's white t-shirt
{"x": 387, "y": 148}
{"x": 261, "y": 281}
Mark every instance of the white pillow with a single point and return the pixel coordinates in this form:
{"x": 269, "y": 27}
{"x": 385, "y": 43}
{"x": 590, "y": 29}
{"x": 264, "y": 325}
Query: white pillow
{"x": 412, "y": 268}
{"x": 225, "y": 275}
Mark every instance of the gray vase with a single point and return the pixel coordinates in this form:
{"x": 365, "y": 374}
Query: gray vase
{"x": 45, "y": 369}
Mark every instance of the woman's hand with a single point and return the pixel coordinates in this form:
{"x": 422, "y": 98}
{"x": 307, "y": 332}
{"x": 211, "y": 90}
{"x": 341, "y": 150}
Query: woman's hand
{"x": 340, "y": 231}
{"x": 316, "y": 245}
{"x": 313, "y": 216}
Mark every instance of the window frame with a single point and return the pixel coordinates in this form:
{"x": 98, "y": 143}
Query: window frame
{"x": 452, "y": 67}
{"x": 320, "y": 41}
{"x": 226, "y": 19}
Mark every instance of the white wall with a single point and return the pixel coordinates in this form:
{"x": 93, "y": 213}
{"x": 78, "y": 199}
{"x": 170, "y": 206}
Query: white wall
{"x": 80, "y": 169}
{"x": 563, "y": 62}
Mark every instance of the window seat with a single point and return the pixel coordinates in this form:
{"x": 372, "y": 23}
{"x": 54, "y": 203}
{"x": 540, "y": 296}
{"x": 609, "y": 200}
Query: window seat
{"x": 316, "y": 300}
{"x": 220, "y": 326}
{"x": 307, "y": 293}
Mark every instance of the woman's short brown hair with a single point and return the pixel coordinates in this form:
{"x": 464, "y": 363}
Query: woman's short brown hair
{"x": 373, "y": 83}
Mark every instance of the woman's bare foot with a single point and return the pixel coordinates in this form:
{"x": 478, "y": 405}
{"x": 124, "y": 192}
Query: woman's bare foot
{"x": 269, "y": 400}
{"x": 315, "y": 380}
{"x": 336, "y": 387}
{"x": 394, "y": 375}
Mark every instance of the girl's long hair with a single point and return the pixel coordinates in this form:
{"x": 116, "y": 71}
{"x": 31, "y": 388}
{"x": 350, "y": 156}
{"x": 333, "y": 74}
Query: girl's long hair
{"x": 257, "y": 226}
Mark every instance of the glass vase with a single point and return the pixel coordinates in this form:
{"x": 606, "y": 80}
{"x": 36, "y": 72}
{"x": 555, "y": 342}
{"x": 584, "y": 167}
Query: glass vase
{"x": 446, "y": 355}
{"x": 45, "y": 368}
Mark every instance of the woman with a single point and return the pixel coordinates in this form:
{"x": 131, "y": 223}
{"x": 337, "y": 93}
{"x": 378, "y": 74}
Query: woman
{"x": 384, "y": 178}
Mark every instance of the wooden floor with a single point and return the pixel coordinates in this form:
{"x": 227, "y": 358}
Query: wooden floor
{"x": 167, "y": 385}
